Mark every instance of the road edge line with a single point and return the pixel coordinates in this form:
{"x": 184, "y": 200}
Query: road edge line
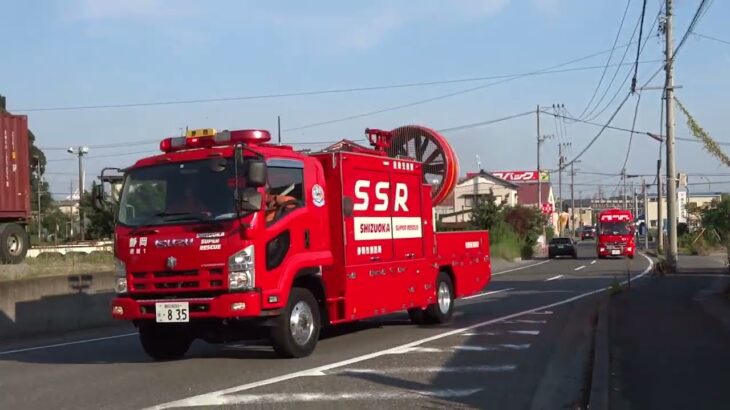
{"x": 206, "y": 397}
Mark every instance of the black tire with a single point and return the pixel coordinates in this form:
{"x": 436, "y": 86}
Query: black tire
{"x": 14, "y": 243}
{"x": 304, "y": 307}
{"x": 551, "y": 256}
{"x": 442, "y": 311}
{"x": 165, "y": 341}
{"x": 417, "y": 316}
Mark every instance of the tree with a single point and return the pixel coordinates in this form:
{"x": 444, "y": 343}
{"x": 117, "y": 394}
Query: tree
{"x": 486, "y": 213}
{"x": 527, "y": 222}
{"x": 99, "y": 223}
{"x": 718, "y": 217}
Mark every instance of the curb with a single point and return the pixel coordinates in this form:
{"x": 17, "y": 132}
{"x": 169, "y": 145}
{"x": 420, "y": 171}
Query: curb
{"x": 600, "y": 376}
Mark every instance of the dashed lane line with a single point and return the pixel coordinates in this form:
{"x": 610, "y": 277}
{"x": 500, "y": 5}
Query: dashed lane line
{"x": 77, "y": 342}
{"x": 553, "y": 278}
{"x": 580, "y": 267}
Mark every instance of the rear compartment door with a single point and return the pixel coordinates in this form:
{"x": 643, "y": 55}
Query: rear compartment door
{"x": 407, "y": 222}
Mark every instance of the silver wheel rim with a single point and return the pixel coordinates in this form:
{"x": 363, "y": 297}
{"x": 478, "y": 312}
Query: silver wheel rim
{"x": 14, "y": 246}
{"x": 444, "y": 296}
{"x": 301, "y": 323}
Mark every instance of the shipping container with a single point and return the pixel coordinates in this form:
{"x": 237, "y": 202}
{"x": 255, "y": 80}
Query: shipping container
{"x": 14, "y": 187}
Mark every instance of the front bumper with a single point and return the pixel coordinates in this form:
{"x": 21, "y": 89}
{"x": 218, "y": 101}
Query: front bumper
{"x": 218, "y": 307}
{"x": 606, "y": 252}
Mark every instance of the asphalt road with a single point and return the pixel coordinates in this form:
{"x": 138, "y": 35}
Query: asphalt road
{"x": 524, "y": 343}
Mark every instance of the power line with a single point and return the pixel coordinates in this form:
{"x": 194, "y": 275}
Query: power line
{"x": 631, "y": 135}
{"x": 608, "y": 61}
{"x": 711, "y": 38}
{"x": 547, "y": 70}
{"x": 482, "y": 123}
{"x": 303, "y": 93}
{"x": 638, "y": 47}
{"x": 699, "y": 13}
{"x": 628, "y": 75}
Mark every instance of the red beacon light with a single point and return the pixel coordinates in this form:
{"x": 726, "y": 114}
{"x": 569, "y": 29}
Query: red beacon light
{"x": 208, "y": 137}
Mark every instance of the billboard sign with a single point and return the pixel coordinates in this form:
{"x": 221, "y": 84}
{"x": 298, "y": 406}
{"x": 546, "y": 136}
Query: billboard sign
{"x": 521, "y": 176}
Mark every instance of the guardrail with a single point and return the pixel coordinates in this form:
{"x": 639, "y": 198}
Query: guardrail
{"x": 100, "y": 246}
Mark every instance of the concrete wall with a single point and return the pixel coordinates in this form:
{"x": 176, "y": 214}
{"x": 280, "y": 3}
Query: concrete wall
{"x": 55, "y": 304}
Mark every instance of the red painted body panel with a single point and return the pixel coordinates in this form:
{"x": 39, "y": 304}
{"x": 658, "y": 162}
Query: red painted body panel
{"x": 371, "y": 238}
{"x": 14, "y": 168}
{"x": 608, "y": 244}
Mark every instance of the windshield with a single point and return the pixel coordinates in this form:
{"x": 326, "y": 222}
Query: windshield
{"x": 615, "y": 228}
{"x": 178, "y": 193}
{"x": 559, "y": 241}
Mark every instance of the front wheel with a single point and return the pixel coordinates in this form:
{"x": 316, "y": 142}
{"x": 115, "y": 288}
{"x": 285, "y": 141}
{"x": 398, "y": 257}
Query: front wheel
{"x": 166, "y": 341}
{"x": 296, "y": 332}
{"x": 442, "y": 311}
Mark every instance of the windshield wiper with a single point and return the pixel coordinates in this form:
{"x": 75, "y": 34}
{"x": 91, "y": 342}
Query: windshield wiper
{"x": 150, "y": 219}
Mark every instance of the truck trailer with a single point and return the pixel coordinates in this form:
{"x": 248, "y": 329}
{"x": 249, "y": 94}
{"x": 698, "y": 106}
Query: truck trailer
{"x": 224, "y": 236}
{"x": 14, "y": 188}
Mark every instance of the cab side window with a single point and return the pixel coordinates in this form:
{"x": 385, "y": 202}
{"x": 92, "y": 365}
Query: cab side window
{"x": 285, "y": 188}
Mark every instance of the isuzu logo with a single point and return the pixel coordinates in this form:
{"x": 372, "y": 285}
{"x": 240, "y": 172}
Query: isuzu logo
{"x": 170, "y": 243}
{"x": 171, "y": 262}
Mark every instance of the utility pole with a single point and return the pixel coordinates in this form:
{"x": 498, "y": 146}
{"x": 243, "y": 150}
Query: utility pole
{"x": 539, "y": 179}
{"x": 671, "y": 172}
{"x": 561, "y": 162}
{"x": 636, "y": 200}
{"x": 278, "y": 128}
{"x": 646, "y": 214}
{"x": 572, "y": 198}
{"x": 623, "y": 176}
{"x": 80, "y": 152}
{"x": 660, "y": 206}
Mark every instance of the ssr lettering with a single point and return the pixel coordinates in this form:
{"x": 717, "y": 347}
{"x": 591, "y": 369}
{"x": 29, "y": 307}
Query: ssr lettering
{"x": 381, "y": 190}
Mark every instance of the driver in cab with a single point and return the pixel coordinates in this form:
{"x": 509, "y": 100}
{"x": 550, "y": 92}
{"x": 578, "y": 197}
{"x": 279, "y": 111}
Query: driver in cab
{"x": 279, "y": 204}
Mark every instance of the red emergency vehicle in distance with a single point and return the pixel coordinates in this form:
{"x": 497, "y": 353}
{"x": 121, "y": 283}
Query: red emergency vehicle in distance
{"x": 615, "y": 234}
{"x": 224, "y": 234}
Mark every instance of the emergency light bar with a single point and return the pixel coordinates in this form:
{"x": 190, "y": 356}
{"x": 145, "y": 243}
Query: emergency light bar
{"x": 208, "y": 137}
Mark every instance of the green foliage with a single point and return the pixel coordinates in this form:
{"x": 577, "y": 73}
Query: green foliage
{"x": 504, "y": 241}
{"x": 549, "y": 233}
{"x": 100, "y": 223}
{"x": 486, "y": 212}
{"x": 682, "y": 228}
{"x": 711, "y": 145}
{"x": 527, "y": 222}
{"x": 717, "y": 218}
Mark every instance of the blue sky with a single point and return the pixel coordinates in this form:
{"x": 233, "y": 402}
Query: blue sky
{"x": 96, "y": 52}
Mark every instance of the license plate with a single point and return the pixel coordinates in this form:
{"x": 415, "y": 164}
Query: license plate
{"x": 615, "y": 252}
{"x": 172, "y": 312}
{"x": 560, "y": 246}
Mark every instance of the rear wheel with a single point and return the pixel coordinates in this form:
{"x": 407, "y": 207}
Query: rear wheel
{"x": 296, "y": 332}
{"x": 14, "y": 243}
{"x": 165, "y": 342}
{"x": 443, "y": 309}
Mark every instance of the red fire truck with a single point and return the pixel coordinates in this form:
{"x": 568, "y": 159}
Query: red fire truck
{"x": 616, "y": 234}
{"x": 224, "y": 235}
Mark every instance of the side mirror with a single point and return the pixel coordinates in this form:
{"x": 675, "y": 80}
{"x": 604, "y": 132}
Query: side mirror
{"x": 255, "y": 172}
{"x": 249, "y": 200}
{"x": 97, "y": 198}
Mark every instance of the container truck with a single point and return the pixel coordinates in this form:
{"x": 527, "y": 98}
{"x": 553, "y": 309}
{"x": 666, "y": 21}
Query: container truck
{"x": 14, "y": 188}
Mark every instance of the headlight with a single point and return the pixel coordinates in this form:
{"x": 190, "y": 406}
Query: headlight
{"x": 120, "y": 268}
{"x": 242, "y": 270}
{"x": 628, "y": 249}
{"x": 603, "y": 249}
{"x": 121, "y": 285}
{"x": 120, "y": 271}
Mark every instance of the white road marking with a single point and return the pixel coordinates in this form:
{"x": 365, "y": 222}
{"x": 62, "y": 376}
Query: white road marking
{"x": 520, "y": 268}
{"x": 593, "y": 262}
{"x": 219, "y": 396}
{"x": 77, "y": 342}
{"x": 525, "y": 332}
{"x": 491, "y": 348}
{"x": 580, "y": 267}
{"x": 524, "y": 321}
{"x": 544, "y": 312}
{"x": 481, "y": 334}
{"x": 433, "y": 369}
{"x": 280, "y": 398}
{"x": 553, "y": 278}
{"x": 486, "y": 293}
{"x": 699, "y": 275}
{"x": 417, "y": 349}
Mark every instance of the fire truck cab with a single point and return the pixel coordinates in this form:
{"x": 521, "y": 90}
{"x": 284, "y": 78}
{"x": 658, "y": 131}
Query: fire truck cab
{"x": 224, "y": 236}
{"x": 616, "y": 235}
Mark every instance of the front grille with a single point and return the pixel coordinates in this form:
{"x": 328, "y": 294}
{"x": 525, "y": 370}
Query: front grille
{"x": 177, "y": 281}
